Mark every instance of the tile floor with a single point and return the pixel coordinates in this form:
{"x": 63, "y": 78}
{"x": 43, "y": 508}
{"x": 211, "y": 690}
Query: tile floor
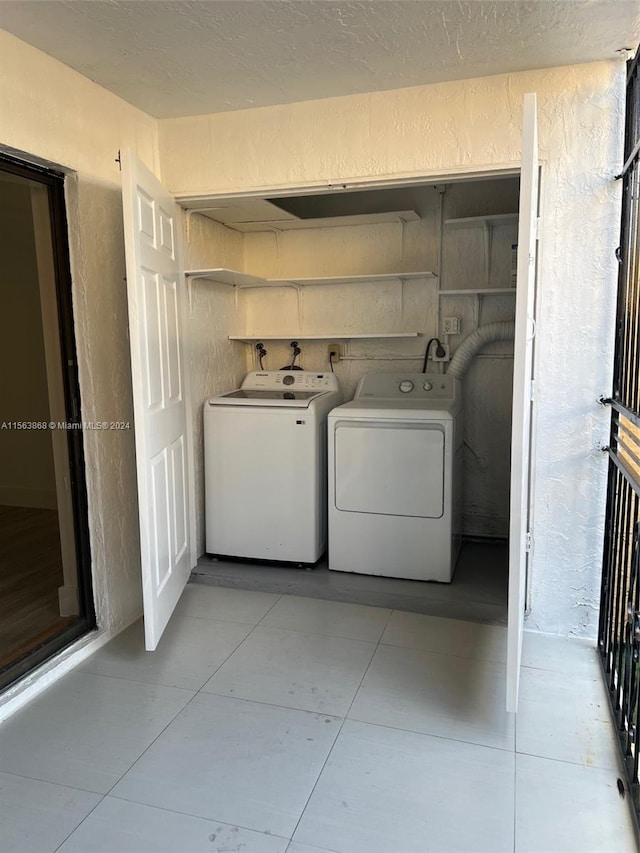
{"x": 268, "y": 723}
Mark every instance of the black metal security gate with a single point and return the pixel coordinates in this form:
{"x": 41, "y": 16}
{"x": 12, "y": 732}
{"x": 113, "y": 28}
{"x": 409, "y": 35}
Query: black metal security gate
{"x": 619, "y": 630}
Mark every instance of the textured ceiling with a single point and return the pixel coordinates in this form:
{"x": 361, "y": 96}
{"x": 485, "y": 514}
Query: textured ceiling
{"x": 186, "y": 58}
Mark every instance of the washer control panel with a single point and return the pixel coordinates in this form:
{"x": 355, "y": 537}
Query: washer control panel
{"x": 293, "y": 380}
{"x": 412, "y": 386}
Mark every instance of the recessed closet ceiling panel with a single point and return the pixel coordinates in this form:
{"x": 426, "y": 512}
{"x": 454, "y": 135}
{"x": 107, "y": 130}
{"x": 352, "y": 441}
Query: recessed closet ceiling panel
{"x": 187, "y": 58}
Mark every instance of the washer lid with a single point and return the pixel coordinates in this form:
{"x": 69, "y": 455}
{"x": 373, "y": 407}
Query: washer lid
{"x": 281, "y": 398}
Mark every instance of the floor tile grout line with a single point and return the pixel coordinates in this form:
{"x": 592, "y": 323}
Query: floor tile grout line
{"x": 316, "y": 634}
{"x": 272, "y": 705}
{"x": 290, "y": 707}
{"x": 49, "y": 782}
{"x": 312, "y": 848}
{"x": 291, "y": 630}
{"x": 64, "y": 841}
{"x": 572, "y": 673}
{"x": 148, "y": 747}
{"x": 242, "y": 641}
{"x": 216, "y": 619}
{"x": 508, "y": 750}
{"x": 414, "y": 731}
{"x": 197, "y": 816}
{"x": 363, "y": 722}
{"x": 252, "y": 625}
{"x": 568, "y": 761}
{"x": 445, "y": 654}
{"x": 173, "y": 686}
{"x": 268, "y": 611}
{"x": 170, "y": 811}
{"x": 137, "y": 680}
{"x": 85, "y": 671}
{"x": 344, "y": 720}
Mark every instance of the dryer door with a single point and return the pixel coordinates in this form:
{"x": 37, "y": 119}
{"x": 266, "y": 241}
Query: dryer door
{"x": 390, "y": 468}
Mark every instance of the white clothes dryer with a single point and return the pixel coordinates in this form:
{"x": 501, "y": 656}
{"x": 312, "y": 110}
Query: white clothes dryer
{"x": 395, "y": 477}
{"x": 265, "y": 466}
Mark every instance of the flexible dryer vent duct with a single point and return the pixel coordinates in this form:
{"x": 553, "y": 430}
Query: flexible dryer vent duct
{"x": 475, "y": 342}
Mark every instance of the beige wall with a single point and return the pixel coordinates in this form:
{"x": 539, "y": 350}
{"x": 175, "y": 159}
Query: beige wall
{"x": 456, "y": 127}
{"x": 460, "y": 127}
{"x": 49, "y": 112}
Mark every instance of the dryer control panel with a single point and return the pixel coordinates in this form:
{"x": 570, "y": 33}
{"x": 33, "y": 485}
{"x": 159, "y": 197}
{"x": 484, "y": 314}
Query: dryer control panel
{"x": 416, "y": 386}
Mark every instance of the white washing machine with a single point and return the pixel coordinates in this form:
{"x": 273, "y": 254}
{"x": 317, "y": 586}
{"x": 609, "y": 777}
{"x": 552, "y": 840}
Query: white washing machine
{"x": 265, "y": 466}
{"x": 395, "y": 477}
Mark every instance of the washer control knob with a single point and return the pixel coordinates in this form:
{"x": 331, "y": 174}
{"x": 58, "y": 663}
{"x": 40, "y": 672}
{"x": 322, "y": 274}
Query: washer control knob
{"x": 406, "y": 386}
{"x": 427, "y": 386}
{"x": 289, "y": 380}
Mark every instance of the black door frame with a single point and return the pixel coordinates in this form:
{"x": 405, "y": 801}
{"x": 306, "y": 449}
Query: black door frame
{"x": 54, "y": 181}
{"x": 619, "y": 625}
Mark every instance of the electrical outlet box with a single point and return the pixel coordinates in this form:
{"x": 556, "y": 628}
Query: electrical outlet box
{"x": 451, "y": 326}
{"x": 335, "y": 349}
{"x": 446, "y": 355}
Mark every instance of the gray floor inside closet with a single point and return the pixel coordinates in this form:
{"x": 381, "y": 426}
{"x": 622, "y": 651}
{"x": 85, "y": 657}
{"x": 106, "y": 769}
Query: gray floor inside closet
{"x": 478, "y": 592}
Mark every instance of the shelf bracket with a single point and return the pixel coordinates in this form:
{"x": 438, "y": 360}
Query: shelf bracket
{"x": 488, "y": 239}
{"x": 190, "y": 297}
{"x": 190, "y": 276}
{"x": 189, "y": 213}
{"x": 279, "y": 283}
{"x": 403, "y": 236}
{"x": 401, "y": 281}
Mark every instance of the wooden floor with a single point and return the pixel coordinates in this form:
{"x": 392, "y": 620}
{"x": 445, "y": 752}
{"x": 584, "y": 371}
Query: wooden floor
{"x": 30, "y": 574}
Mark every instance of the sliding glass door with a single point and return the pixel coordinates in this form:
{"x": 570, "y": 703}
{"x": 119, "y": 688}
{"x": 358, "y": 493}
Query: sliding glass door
{"x": 45, "y": 591}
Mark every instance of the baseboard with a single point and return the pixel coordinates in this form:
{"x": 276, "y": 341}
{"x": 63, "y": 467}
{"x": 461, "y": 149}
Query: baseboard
{"x": 484, "y": 525}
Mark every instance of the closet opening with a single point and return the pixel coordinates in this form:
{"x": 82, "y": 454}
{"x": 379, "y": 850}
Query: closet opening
{"x": 374, "y": 274}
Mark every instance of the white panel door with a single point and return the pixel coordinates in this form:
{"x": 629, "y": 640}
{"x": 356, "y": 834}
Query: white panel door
{"x": 522, "y": 393}
{"x": 155, "y": 290}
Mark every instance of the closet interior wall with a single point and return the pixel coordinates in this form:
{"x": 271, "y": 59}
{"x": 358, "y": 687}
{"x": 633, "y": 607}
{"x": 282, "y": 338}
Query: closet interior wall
{"x": 487, "y": 388}
{"x": 216, "y": 311}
